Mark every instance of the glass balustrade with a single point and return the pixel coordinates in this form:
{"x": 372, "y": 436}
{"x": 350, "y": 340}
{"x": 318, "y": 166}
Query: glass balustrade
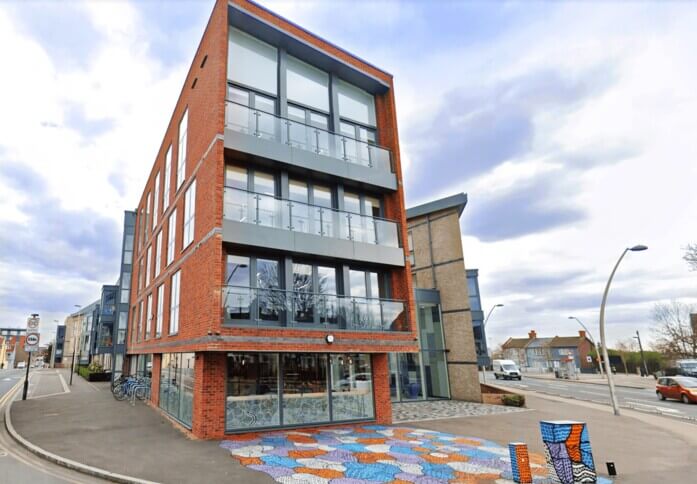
{"x": 305, "y": 137}
{"x": 268, "y": 211}
{"x": 263, "y": 306}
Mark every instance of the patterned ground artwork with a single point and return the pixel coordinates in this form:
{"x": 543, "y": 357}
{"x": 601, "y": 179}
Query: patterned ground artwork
{"x": 375, "y": 453}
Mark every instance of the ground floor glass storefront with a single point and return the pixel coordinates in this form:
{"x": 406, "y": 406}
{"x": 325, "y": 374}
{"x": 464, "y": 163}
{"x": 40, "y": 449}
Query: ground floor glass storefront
{"x": 291, "y": 389}
{"x": 177, "y": 385}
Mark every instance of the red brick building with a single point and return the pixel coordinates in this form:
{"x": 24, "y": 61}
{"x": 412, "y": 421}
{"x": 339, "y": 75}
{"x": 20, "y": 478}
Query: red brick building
{"x": 270, "y": 278}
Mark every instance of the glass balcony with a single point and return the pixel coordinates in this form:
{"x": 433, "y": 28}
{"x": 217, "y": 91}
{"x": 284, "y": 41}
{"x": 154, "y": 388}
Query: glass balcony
{"x": 261, "y": 124}
{"x": 305, "y": 309}
{"x": 268, "y": 211}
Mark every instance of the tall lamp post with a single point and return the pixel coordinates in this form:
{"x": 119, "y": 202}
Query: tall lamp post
{"x": 597, "y": 348}
{"x": 608, "y": 370}
{"x": 484, "y": 332}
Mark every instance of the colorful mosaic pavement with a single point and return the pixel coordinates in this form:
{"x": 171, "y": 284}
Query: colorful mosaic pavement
{"x": 374, "y": 453}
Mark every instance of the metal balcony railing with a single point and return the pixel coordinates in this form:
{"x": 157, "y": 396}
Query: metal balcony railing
{"x": 306, "y": 309}
{"x": 261, "y": 124}
{"x": 269, "y": 211}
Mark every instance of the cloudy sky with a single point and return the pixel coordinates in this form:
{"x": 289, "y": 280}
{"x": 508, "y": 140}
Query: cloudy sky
{"x": 571, "y": 128}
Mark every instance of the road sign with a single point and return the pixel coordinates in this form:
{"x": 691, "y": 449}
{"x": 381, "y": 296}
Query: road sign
{"x": 31, "y": 343}
{"x": 589, "y": 359}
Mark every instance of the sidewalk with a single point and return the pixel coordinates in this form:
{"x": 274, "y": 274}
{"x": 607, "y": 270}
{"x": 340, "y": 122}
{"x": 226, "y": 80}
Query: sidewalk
{"x": 89, "y": 426}
{"x": 646, "y": 449}
{"x": 627, "y": 381}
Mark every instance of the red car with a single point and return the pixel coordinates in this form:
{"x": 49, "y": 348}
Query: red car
{"x": 683, "y": 388}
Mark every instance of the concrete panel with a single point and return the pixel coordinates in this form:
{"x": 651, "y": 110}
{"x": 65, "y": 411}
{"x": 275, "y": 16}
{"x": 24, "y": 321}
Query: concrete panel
{"x": 298, "y": 242}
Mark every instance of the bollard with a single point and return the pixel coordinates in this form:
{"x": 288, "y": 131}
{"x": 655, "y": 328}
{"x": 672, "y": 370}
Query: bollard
{"x": 568, "y": 452}
{"x": 520, "y": 462}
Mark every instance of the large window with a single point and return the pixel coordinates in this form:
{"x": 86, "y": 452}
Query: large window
{"x": 148, "y": 321}
{"x": 251, "y": 62}
{"x": 148, "y": 214}
{"x": 252, "y": 390}
{"x": 160, "y": 310}
{"x": 148, "y": 266}
{"x": 473, "y": 290}
{"x": 306, "y": 84}
{"x": 271, "y": 389}
{"x": 189, "y": 213}
{"x": 123, "y": 322}
{"x": 158, "y": 253}
{"x": 168, "y": 178}
{"x": 156, "y": 201}
{"x": 355, "y": 104}
{"x": 181, "y": 155}
{"x": 171, "y": 236}
{"x": 177, "y": 385}
{"x": 253, "y": 288}
{"x": 174, "y": 304}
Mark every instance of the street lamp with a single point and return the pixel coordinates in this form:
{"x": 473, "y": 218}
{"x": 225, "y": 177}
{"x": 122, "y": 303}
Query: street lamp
{"x": 484, "y": 333}
{"x": 608, "y": 370}
{"x": 597, "y": 348}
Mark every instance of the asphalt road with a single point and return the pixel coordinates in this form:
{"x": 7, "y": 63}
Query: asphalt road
{"x": 17, "y": 465}
{"x": 643, "y": 400}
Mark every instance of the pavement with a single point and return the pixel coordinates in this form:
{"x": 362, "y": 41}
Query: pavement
{"x": 86, "y": 424}
{"x": 17, "y": 465}
{"x": 642, "y": 399}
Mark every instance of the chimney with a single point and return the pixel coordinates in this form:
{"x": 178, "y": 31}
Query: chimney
{"x": 532, "y": 334}
{"x": 582, "y": 334}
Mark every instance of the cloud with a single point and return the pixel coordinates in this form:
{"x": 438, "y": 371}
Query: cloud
{"x": 477, "y": 129}
{"x": 532, "y": 206}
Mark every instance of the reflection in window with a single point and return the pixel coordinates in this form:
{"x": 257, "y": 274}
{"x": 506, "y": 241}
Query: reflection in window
{"x": 269, "y": 297}
{"x": 305, "y": 395}
{"x": 410, "y": 376}
{"x": 352, "y": 387}
{"x": 303, "y": 298}
{"x": 177, "y": 385}
{"x": 356, "y": 104}
{"x": 252, "y": 391}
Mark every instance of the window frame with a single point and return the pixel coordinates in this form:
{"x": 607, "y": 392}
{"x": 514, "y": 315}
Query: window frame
{"x": 183, "y": 135}
{"x": 188, "y": 228}
{"x": 174, "y": 303}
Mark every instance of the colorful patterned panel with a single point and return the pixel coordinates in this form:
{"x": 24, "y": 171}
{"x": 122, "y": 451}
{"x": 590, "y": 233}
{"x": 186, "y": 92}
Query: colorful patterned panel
{"x": 568, "y": 452}
{"x": 520, "y": 462}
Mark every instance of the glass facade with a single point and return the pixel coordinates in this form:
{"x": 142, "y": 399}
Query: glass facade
{"x": 177, "y": 385}
{"x": 423, "y": 375}
{"x": 287, "y": 389}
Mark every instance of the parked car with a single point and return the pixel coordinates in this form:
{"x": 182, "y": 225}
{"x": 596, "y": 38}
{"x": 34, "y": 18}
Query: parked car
{"x": 506, "y": 369}
{"x": 21, "y": 364}
{"x": 687, "y": 367}
{"x": 683, "y": 388}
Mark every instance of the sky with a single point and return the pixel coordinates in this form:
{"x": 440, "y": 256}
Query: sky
{"x": 570, "y": 126}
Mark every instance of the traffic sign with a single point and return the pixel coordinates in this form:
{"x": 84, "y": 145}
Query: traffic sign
{"x": 31, "y": 343}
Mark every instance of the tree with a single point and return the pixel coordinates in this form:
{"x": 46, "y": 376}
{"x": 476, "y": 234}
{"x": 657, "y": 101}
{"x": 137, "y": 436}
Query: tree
{"x": 673, "y": 332}
{"x": 690, "y": 256}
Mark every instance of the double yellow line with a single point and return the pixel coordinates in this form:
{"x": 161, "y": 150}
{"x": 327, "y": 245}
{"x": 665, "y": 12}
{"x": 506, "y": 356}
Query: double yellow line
{"x": 11, "y": 392}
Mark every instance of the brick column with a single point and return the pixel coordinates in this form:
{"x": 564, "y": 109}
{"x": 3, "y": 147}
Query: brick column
{"x": 155, "y": 381}
{"x": 381, "y": 387}
{"x": 209, "y": 395}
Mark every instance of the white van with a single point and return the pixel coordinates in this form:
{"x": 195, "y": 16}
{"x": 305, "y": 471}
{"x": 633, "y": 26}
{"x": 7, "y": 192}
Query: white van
{"x": 506, "y": 369}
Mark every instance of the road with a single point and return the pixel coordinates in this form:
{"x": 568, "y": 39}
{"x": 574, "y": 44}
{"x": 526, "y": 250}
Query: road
{"x": 17, "y": 465}
{"x": 644, "y": 400}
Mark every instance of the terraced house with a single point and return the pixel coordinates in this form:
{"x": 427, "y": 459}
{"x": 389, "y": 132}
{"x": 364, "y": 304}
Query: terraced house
{"x": 270, "y": 279}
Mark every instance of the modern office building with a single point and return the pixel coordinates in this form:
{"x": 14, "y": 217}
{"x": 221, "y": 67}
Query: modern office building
{"x": 477, "y": 318}
{"x": 58, "y": 348}
{"x": 270, "y": 280}
{"x": 446, "y": 365}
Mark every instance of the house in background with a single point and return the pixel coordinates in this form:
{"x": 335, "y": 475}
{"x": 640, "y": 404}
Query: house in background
{"x": 548, "y": 354}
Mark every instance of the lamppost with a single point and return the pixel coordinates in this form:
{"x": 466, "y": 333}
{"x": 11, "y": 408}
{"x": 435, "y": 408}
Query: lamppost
{"x": 608, "y": 370}
{"x": 484, "y": 333}
{"x": 597, "y": 348}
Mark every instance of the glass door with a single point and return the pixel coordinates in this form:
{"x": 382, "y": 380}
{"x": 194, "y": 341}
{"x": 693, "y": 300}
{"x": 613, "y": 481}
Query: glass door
{"x": 269, "y": 297}
{"x": 305, "y": 389}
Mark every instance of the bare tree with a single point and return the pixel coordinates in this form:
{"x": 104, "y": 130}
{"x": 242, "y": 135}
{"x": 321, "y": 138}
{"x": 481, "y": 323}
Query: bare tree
{"x": 673, "y": 332}
{"x": 690, "y": 256}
